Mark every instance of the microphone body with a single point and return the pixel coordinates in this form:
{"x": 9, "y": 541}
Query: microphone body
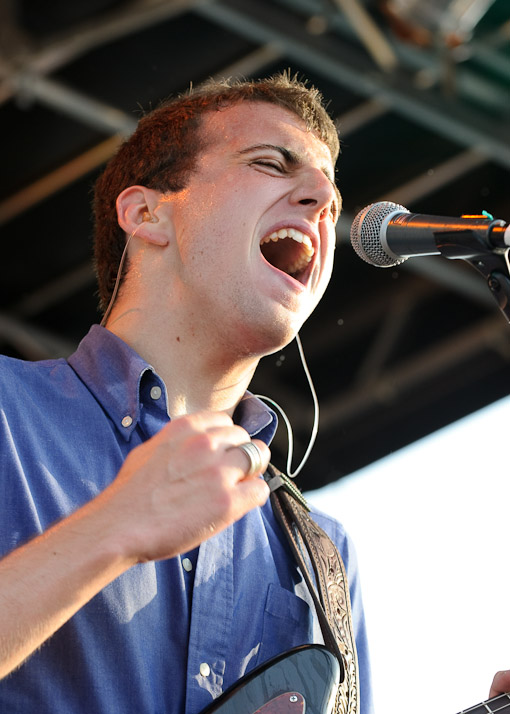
{"x": 385, "y": 234}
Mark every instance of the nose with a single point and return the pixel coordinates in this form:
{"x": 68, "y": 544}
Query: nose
{"x": 316, "y": 191}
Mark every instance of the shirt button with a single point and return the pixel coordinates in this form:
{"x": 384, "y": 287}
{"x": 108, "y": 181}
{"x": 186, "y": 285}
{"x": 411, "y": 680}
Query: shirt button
{"x": 187, "y": 565}
{"x": 127, "y": 421}
{"x": 156, "y": 392}
{"x": 205, "y": 670}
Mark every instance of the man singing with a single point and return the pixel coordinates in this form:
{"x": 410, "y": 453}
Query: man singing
{"x": 143, "y": 568}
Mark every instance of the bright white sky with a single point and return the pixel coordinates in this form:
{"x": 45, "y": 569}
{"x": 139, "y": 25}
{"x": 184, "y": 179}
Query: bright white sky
{"x": 431, "y": 525}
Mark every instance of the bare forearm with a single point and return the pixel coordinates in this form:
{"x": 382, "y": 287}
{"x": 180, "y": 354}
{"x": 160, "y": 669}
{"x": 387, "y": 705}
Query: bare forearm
{"x": 45, "y": 582}
{"x": 173, "y": 492}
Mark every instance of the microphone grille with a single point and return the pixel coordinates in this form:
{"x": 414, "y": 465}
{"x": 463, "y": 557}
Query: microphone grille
{"x": 366, "y": 234}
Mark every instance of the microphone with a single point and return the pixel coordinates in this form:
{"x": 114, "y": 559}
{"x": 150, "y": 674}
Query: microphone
{"x": 385, "y": 234}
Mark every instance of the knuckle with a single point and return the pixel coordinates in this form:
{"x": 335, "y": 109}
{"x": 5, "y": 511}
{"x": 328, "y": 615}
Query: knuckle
{"x": 225, "y": 500}
{"x": 241, "y": 433}
{"x": 180, "y": 425}
{"x": 264, "y": 450}
{"x": 260, "y": 490}
{"x": 202, "y": 443}
{"x": 221, "y": 501}
{"x": 216, "y": 475}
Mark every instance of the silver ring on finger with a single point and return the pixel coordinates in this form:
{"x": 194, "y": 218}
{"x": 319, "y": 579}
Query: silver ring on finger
{"x": 254, "y": 455}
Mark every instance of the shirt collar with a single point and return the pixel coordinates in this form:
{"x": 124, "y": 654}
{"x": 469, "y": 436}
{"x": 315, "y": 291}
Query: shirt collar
{"x": 256, "y": 417}
{"x": 113, "y": 371}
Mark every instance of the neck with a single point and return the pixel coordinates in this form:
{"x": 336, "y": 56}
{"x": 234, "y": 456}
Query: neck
{"x": 199, "y": 373}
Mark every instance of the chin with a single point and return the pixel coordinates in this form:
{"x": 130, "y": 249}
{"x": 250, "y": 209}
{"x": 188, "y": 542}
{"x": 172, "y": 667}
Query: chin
{"x": 261, "y": 332}
{"x": 276, "y": 335}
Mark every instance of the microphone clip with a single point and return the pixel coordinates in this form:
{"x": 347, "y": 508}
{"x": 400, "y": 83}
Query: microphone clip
{"x": 495, "y": 268}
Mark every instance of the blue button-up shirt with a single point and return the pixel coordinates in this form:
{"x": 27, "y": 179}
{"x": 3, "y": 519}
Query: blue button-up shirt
{"x": 164, "y": 637}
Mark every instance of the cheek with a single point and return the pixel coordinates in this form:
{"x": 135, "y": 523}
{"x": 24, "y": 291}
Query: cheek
{"x": 327, "y": 269}
{"x": 329, "y": 253}
{"x": 216, "y": 228}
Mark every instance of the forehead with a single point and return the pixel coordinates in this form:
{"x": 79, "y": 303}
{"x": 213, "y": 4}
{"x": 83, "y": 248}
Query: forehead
{"x": 238, "y": 127}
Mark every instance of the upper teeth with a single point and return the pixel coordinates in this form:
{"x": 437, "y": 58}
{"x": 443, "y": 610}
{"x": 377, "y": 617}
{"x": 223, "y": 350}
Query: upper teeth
{"x": 295, "y": 235}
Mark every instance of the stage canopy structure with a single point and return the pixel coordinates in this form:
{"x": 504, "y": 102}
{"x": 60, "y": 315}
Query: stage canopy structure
{"x": 420, "y": 92}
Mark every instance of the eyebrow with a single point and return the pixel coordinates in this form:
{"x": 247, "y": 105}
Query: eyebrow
{"x": 291, "y": 157}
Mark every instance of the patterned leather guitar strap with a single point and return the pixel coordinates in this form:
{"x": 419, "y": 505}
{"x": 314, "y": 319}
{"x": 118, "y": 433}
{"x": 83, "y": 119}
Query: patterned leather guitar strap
{"x": 309, "y": 543}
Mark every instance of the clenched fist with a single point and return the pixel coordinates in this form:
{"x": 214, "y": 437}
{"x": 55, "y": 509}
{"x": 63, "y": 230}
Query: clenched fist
{"x": 184, "y": 485}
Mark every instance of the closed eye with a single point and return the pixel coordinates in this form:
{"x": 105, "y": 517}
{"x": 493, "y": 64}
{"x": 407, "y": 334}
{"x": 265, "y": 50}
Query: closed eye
{"x": 269, "y": 164}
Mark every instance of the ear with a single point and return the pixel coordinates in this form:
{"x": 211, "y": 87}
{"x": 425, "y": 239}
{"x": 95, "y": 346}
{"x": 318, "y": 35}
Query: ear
{"x": 137, "y": 213}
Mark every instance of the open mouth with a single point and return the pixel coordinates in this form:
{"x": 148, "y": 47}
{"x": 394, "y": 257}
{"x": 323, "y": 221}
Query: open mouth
{"x": 289, "y": 250}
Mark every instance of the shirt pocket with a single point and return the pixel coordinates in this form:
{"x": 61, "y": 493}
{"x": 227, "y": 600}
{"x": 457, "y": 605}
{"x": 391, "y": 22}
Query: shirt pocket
{"x": 287, "y": 623}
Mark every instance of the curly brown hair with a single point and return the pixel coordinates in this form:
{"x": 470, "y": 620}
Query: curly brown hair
{"x": 162, "y": 152}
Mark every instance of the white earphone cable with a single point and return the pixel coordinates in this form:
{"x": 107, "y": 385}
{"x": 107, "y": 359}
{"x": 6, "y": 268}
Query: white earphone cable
{"x": 315, "y": 427}
{"x": 117, "y": 280}
{"x": 290, "y": 436}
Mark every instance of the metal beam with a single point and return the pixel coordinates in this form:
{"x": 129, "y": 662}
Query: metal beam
{"x": 429, "y": 61}
{"x": 32, "y": 342}
{"x": 492, "y": 333}
{"x": 65, "y": 48}
{"x": 73, "y": 103}
{"x": 369, "y": 34}
{"x": 94, "y": 114}
{"x": 350, "y": 68}
{"x": 54, "y": 292}
{"x": 55, "y": 181}
{"x": 435, "y": 178}
{"x": 355, "y": 119}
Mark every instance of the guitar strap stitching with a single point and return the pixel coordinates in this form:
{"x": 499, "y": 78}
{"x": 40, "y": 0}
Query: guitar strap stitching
{"x": 331, "y": 596}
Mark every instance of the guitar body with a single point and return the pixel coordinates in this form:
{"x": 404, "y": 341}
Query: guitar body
{"x": 304, "y": 679}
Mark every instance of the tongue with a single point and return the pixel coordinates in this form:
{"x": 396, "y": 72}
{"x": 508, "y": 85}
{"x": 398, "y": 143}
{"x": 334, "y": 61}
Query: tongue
{"x": 285, "y": 254}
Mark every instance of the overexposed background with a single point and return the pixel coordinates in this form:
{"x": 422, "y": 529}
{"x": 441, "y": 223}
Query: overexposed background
{"x": 431, "y": 525}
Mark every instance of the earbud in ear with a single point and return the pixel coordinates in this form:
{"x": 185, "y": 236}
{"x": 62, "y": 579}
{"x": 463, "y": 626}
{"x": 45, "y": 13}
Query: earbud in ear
{"x": 147, "y": 217}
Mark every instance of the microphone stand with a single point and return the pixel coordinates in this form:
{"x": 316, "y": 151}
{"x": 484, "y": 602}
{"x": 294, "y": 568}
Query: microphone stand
{"x": 491, "y": 262}
{"x": 495, "y": 269}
